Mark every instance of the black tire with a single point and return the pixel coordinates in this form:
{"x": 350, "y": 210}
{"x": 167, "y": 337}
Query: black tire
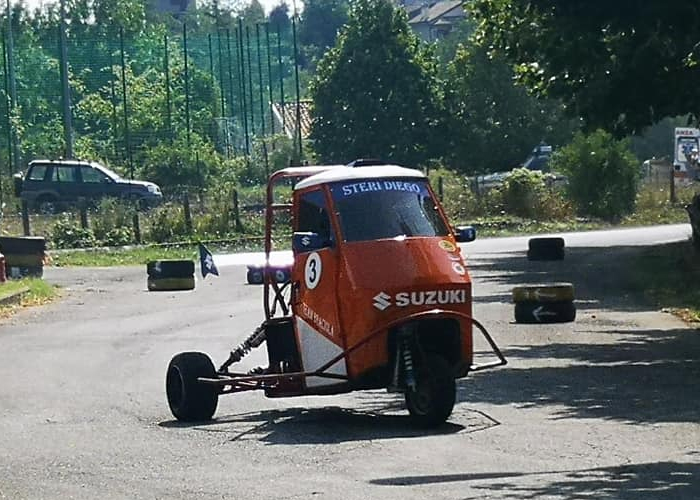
{"x": 431, "y": 403}
{"x": 189, "y": 399}
{"x": 255, "y": 276}
{"x": 18, "y": 272}
{"x": 47, "y": 205}
{"x": 546, "y": 248}
{"x": 545, "y": 312}
{"x": 282, "y": 274}
{"x": 170, "y": 284}
{"x": 22, "y": 245}
{"x": 548, "y": 292}
{"x": 170, "y": 268}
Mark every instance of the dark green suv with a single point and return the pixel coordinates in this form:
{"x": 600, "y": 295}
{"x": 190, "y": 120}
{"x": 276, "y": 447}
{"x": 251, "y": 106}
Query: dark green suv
{"x": 49, "y": 184}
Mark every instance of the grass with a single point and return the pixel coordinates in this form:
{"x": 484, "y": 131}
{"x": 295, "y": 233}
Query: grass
{"x": 668, "y": 276}
{"x": 37, "y": 292}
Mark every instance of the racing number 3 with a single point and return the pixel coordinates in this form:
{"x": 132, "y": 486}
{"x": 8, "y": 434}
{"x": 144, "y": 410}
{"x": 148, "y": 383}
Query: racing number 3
{"x": 312, "y": 270}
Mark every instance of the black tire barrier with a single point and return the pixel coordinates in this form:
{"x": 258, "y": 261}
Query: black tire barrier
{"x": 18, "y": 272}
{"x": 24, "y": 260}
{"x": 22, "y": 245}
{"x": 170, "y": 268}
{"x": 170, "y": 284}
{"x": 545, "y": 312}
{"x": 545, "y": 248}
{"x": 256, "y": 275}
{"x": 549, "y": 292}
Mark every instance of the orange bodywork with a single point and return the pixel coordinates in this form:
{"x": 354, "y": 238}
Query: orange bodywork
{"x": 366, "y": 287}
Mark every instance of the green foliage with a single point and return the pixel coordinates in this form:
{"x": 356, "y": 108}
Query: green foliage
{"x": 320, "y": 22}
{"x": 112, "y": 222}
{"x": 603, "y": 175}
{"x": 620, "y": 67}
{"x": 375, "y": 93}
{"x": 493, "y": 122}
{"x": 526, "y": 194}
{"x": 166, "y": 223}
{"x": 66, "y": 233}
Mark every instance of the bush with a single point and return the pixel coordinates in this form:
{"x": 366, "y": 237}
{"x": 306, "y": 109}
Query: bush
{"x": 112, "y": 222}
{"x": 67, "y": 234}
{"x": 603, "y": 175}
{"x": 526, "y": 193}
{"x": 166, "y": 223}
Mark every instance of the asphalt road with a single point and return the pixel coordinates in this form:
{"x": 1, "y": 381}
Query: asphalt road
{"x": 606, "y": 407}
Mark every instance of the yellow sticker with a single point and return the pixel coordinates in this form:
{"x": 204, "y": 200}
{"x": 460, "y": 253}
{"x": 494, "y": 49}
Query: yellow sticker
{"x": 447, "y": 245}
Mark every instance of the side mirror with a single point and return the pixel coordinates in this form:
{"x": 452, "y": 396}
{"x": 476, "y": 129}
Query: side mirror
{"x": 307, "y": 242}
{"x": 465, "y": 234}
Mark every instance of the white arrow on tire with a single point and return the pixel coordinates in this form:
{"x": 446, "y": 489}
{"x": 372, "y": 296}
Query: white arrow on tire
{"x": 540, "y": 312}
{"x": 539, "y": 294}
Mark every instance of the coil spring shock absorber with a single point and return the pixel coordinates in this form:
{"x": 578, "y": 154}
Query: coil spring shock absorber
{"x": 254, "y": 340}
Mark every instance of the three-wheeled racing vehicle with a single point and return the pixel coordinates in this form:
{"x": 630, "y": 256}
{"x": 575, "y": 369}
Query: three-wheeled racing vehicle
{"x": 379, "y": 297}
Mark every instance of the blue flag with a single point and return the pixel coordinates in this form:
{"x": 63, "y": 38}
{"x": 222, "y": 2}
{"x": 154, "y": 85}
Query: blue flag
{"x": 206, "y": 260}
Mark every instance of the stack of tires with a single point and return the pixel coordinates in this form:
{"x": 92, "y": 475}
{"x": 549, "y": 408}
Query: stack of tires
{"x": 256, "y": 274}
{"x": 170, "y": 275}
{"x": 546, "y": 303}
{"x": 545, "y": 248}
{"x": 24, "y": 256}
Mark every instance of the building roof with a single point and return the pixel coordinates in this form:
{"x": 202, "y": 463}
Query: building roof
{"x": 287, "y": 115}
{"x": 435, "y": 11}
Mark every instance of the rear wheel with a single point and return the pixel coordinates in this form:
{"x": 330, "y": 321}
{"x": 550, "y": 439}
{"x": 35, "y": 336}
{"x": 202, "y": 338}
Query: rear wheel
{"x": 189, "y": 399}
{"x": 47, "y": 205}
{"x": 432, "y": 401}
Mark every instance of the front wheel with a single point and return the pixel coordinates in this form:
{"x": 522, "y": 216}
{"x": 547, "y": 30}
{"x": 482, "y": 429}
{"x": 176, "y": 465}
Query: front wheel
{"x": 432, "y": 400}
{"x": 189, "y": 399}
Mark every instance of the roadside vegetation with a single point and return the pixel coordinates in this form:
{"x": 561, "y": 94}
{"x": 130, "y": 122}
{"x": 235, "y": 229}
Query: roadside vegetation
{"x": 24, "y": 293}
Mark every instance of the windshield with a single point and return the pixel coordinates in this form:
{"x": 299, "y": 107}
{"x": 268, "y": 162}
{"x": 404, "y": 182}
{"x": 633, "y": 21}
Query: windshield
{"x": 386, "y": 208}
{"x": 109, "y": 173}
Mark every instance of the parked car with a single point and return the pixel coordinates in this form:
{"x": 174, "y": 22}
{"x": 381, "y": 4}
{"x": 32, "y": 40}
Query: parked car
{"x": 50, "y": 184}
{"x": 537, "y": 161}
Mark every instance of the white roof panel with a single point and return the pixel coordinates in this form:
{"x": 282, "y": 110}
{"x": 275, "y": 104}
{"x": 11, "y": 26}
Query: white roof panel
{"x": 356, "y": 173}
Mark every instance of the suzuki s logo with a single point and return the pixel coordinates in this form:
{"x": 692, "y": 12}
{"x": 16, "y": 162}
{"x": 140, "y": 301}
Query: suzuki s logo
{"x": 421, "y": 298}
{"x": 381, "y": 301}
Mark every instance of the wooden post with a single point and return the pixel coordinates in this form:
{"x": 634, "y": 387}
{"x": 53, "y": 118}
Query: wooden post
{"x": 25, "y": 218}
{"x": 82, "y": 207}
{"x": 672, "y": 186}
{"x": 236, "y": 212}
{"x": 188, "y": 212}
{"x": 137, "y": 228}
{"x": 440, "y": 188}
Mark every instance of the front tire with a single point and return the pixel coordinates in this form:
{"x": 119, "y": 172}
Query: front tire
{"x": 189, "y": 399}
{"x": 433, "y": 399}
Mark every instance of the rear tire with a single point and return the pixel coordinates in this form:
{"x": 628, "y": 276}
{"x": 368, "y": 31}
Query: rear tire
{"x": 47, "y": 205}
{"x": 189, "y": 399}
{"x": 433, "y": 399}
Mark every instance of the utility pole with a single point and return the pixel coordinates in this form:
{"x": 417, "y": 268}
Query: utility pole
{"x": 13, "y": 83}
{"x": 65, "y": 86}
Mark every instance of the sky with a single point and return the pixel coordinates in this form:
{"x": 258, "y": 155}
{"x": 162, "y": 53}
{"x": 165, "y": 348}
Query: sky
{"x": 267, "y": 4}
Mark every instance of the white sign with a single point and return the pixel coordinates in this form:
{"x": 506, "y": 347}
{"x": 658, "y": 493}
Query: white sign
{"x": 312, "y": 270}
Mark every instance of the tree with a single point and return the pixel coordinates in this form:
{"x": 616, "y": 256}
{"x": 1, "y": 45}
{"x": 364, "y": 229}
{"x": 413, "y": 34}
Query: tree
{"x": 279, "y": 16}
{"x": 620, "y": 65}
{"x": 374, "y": 94}
{"x": 603, "y": 174}
{"x": 493, "y": 123}
{"x": 319, "y": 26}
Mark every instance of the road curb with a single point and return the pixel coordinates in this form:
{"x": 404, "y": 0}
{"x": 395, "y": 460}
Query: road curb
{"x": 13, "y": 298}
